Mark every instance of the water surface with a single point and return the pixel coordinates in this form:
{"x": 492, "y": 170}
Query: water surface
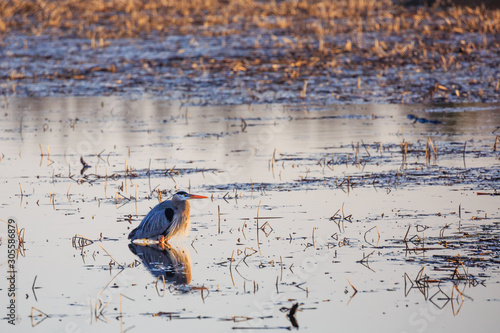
{"x": 315, "y": 204}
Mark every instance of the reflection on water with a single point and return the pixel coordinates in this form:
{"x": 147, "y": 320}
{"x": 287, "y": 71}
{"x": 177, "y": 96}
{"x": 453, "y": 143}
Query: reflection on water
{"x": 170, "y": 263}
{"x": 360, "y": 197}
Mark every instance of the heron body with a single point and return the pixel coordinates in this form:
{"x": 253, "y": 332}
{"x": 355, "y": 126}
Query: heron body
{"x": 166, "y": 219}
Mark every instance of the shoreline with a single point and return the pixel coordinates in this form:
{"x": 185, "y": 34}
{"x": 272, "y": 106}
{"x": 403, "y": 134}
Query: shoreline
{"x": 305, "y": 53}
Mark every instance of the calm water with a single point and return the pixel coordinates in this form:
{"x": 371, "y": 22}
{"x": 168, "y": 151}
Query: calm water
{"x": 311, "y": 201}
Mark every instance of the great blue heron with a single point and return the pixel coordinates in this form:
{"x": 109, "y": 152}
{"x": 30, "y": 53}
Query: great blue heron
{"x": 166, "y": 219}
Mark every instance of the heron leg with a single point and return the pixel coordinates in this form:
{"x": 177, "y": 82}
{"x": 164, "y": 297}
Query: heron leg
{"x": 163, "y": 242}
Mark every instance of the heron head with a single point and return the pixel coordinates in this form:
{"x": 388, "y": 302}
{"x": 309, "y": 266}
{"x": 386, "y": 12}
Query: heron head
{"x": 183, "y": 196}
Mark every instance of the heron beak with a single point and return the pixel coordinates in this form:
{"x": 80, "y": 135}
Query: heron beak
{"x": 195, "y": 196}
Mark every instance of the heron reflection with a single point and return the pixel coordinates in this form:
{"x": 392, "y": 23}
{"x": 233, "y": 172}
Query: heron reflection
{"x": 168, "y": 262}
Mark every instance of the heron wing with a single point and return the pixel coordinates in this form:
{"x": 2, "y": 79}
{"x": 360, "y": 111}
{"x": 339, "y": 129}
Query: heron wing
{"x": 156, "y": 223}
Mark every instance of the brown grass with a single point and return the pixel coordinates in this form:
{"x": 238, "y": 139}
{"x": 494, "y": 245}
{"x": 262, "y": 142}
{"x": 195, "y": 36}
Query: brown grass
{"x": 102, "y": 19}
{"x": 318, "y": 38}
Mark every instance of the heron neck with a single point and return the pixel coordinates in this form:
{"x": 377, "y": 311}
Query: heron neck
{"x": 182, "y": 220}
{"x": 182, "y": 205}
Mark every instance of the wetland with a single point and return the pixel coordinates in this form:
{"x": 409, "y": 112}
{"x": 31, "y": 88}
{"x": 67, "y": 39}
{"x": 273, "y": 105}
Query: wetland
{"x": 349, "y": 150}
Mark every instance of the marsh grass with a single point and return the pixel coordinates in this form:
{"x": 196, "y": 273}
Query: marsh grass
{"x": 103, "y": 19}
{"x": 314, "y": 38}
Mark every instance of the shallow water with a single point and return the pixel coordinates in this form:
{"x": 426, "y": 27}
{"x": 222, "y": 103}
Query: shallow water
{"x": 311, "y": 201}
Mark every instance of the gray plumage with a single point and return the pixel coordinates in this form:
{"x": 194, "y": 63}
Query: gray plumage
{"x": 166, "y": 219}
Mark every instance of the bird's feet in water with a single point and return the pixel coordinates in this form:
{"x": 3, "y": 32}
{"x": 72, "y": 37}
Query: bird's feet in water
{"x": 163, "y": 242}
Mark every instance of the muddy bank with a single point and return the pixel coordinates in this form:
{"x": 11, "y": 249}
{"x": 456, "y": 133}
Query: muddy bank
{"x": 284, "y": 52}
